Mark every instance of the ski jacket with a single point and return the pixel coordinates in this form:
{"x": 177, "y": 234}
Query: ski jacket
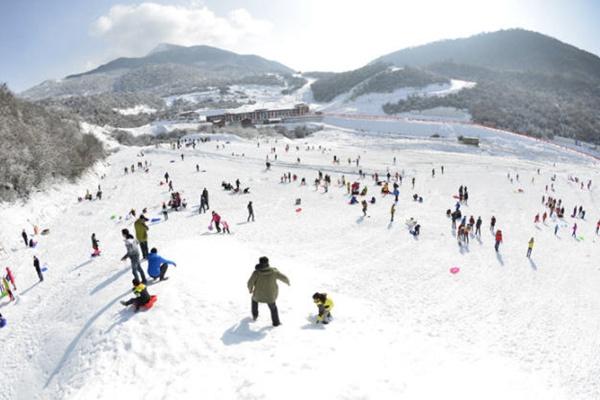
{"x": 141, "y": 230}
{"x": 216, "y": 218}
{"x": 263, "y": 283}
{"x": 530, "y": 244}
{"x": 154, "y": 263}
{"x": 324, "y": 307}
{"x": 10, "y": 276}
{"x": 498, "y": 236}
{"x": 132, "y": 250}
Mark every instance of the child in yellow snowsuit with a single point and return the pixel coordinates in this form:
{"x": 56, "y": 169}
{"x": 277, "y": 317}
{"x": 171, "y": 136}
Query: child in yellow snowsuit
{"x": 324, "y": 304}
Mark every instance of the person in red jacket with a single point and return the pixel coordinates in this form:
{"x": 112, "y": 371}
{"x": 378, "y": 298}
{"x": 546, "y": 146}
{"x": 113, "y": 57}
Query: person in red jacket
{"x": 498, "y": 239}
{"x": 11, "y": 278}
{"x": 216, "y": 218}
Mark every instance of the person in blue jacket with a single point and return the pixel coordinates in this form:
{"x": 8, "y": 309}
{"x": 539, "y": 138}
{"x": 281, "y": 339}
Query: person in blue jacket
{"x": 157, "y": 266}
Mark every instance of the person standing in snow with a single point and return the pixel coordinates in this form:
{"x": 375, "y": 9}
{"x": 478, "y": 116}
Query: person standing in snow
{"x": 492, "y": 223}
{"x": 498, "y": 239}
{"x": 392, "y": 212}
{"x": 216, "y": 218}
{"x": 555, "y": 229}
{"x": 165, "y": 211}
{"x": 263, "y": 287}
{"x": 157, "y": 266}
{"x": 166, "y": 177}
{"x": 95, "y": 246}
{"x": 11, "y": 278}
{"x": 324, "y": 305}
{"x": 364, "y": 207}
{"x": 5, "y": 288}
{"x": 38, "y": 269}
{"x": 250, "y": 212}
{"x": 478, "y": 227}
{"x": 574, "y": 234}
{"x": 133, "y": 255}
{"x": 204, "y": 201}
{"x": 141, "y": 234}
{"x": 413, "y": 182}
{"x": 142, "y": 296}
{"x": 25, "y": 238}
{"x": 530, "y": 247}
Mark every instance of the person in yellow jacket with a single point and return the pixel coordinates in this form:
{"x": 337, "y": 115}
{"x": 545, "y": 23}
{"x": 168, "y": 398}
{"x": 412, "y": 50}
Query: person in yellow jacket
{"x": 141, "y": 234}
{"x": 530, "y": 247}
{"x": 325, "y": 305}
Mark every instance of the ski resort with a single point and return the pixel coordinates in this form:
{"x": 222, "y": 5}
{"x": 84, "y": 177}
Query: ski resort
{"x": 222, "y": 200}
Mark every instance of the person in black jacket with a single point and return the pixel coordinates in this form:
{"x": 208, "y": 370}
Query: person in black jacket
{"x": 250, "y": 212}
{"x": 36, "y": 264}
{"x": 25, "y": 238}
{"x": 142, "y": 296}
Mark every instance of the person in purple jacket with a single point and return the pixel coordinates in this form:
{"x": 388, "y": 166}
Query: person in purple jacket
{"x": 157, "y": 266}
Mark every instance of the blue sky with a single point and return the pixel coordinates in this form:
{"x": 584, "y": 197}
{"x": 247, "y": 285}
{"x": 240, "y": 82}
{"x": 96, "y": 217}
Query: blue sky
{"x": 46, "y": 39}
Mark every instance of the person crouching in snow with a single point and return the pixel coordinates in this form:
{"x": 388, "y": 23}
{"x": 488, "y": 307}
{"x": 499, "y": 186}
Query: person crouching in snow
{"x": 157, "y": 266}
{"x": 325, "y": 305}
{"x": 142, "y": 296}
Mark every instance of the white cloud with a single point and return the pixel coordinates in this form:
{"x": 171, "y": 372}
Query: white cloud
{"x": 133, "y": 30}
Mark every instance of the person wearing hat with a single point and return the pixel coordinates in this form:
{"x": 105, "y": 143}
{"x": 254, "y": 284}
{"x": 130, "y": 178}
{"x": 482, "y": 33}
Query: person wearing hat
{"x": 141, "y": 234}
{"x": 325, "y": 305}
{"x": 134, "y": 256}
{"x": 142, "y": 297}
{"x": 263, "y": 287}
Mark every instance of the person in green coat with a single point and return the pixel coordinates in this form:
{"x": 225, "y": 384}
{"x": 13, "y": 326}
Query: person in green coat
{"x": 141, "y": 234}
{"x": 263, "y": 286}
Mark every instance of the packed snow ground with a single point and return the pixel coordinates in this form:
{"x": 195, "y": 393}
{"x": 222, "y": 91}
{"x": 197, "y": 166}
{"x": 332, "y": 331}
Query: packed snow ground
{"x": 504, "y": 327}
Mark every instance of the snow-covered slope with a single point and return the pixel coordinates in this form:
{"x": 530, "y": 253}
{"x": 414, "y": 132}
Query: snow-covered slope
{"x": 372, "y": 103}
{"x": 504, "y": 327}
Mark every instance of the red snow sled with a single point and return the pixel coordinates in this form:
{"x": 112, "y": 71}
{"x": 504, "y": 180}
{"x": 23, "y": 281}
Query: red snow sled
{"x": 149, "y": 304}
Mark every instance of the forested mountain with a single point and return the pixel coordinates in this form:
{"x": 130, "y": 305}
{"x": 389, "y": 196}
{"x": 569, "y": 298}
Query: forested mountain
{"x": 36, "y": 144}
{"x": 166, "y": 70}
{"x": 526, "y": 82}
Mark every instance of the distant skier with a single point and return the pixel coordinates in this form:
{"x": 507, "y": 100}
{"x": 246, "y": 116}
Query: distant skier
{"x": 250, "y": 212}
{"x": 165, "y": 211}
{"x": 324, "y": 305}
{"x": 133, "y": 255}
{"x": 11, "y": 278}
{"x": 498, "y": 239}
{"x": 25, "y": 238}
{"x": 38, "y": 269}
{"x": 263, "y": 287}
{"x": 478, "y": 227}
{"x": 530, "y": 247}
{"x": 142, "y": 297}
{"x": 157, "y": 266}
{"x": 95, "y": 246}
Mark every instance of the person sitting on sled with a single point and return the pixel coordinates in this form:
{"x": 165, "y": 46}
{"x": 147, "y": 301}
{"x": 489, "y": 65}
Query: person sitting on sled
{"x": 142, "y": 297}
{"x": 324, "y": 304}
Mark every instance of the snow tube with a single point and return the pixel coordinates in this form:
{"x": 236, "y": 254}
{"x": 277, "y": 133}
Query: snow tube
{"x": 454, "y": 270}
{"x": 149, "y": 304}
{"x": 2, "y": 322}
{"x": 155, "y": 220}
{"x": 298, "y": 210}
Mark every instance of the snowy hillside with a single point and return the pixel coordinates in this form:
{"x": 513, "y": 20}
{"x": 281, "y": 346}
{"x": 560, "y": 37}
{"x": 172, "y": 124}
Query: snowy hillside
{"x": 371, "y": 103}
{"x": 503, "y": 327}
